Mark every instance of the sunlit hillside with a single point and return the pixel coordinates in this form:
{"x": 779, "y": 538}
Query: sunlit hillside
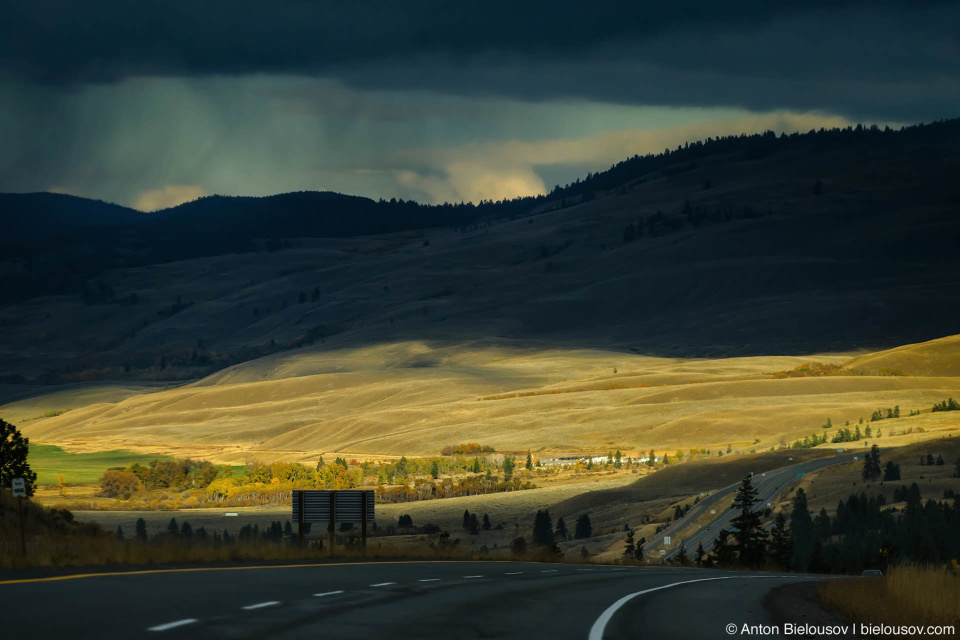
{"x": 414, "y": 398}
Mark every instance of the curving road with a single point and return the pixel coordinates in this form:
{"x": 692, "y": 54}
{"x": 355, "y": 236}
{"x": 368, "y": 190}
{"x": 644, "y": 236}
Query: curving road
{"x": 391, "y": 600}
{"x": 768, "y": 486}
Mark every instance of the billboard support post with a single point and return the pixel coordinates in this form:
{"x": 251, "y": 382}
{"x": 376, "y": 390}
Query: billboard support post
{"x": 333, "y": 521}
{"x": 363, "y": 523}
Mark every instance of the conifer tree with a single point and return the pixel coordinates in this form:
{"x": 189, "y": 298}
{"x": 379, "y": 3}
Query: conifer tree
{"x": 750, "y": 535}
{"x": 140, "y": 531}
{"x": 583, "y": 529}
{"x": 629, "y": 546}
{"x": 781, "y": 549}
{"x": 699, "y": 555}
{"x": 871, "y": 465}
{"x": 802, "y": 535}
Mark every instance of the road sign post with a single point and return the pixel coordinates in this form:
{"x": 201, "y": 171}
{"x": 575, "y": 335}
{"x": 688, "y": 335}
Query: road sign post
{"x": 333, "y": 521}
{"x": 331, "y": 507}
{"x": 20, "y": 492}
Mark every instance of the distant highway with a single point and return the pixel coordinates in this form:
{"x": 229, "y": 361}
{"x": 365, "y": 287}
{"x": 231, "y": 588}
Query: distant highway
{"x": 768, "y": 485}
{"x": 392, "y": 600}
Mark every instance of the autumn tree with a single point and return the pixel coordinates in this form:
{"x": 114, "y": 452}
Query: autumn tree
{"x": 115, "y": 483}
{"x": 13, "y": 458}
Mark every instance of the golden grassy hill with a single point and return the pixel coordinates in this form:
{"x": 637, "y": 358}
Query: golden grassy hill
{"x": 414, "y": 398}
{"x": 934, "y": 358}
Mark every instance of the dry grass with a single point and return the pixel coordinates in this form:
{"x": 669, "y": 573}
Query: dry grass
{"x": 908, "y": 595}
{"x": 414, "y": 398}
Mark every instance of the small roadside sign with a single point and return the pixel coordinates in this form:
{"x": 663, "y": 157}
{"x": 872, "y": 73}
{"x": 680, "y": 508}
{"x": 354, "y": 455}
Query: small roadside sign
{"x": 666, "y": 540}
{"x": 19, "y": 488}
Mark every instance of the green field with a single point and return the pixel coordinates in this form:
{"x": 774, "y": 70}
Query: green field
{"x": 49, "y": 461}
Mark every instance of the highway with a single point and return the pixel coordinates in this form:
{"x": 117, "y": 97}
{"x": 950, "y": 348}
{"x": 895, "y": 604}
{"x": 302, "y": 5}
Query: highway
{"x": 768, "y": 485}
{"x": 392, "y": 600}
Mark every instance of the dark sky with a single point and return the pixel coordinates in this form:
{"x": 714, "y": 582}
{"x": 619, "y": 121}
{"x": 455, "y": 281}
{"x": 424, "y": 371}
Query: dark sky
{"x": 151, "y": 103}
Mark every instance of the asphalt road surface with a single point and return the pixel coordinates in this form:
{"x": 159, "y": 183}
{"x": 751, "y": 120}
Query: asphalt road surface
{"x": 392, "y": 600}
{"x": 768, "y": 486}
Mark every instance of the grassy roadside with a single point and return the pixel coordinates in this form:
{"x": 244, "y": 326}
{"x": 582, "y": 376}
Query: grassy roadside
{"x": 907, "y": 595}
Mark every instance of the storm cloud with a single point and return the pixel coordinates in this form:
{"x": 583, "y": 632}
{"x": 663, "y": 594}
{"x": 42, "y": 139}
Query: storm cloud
{"x": 149, "y": 102}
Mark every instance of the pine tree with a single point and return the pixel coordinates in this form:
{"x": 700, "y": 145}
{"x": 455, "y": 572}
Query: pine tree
{"x": 435, "y": 470}
{"x": 891, "y": 472}
{"x": 529, "y": 461}
{"x": 140, "y": 531}
{"x": 486, "y": 522}
{"x": 638, "y": 552}
{"x": 871, "y": 465}
{"x": 561, "y": 529}
{"x": 583, "y": 529}
{"x": 802, "y": 535}
{"x": 474, "y": 528}
{"x": 699, "y": 555}
{"x": 507, "y": 468}
{"x": 466, "y": 519}
{"x": 173, "y": 528}
{"x": 781, "y": 549}
{"x": 723, "y": 551}
{"x": 119, "y": 532}
{"x": 543, "y": 533}
{"x": 186, "y": 531}
{"x": 618, "y": 459}
{"x": 750, "y": 536}
{"x": 629, "y": 546}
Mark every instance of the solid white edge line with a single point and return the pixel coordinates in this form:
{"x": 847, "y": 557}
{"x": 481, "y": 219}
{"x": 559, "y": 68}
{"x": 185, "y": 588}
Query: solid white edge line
{"x": 383, "y": 584}
{"x": 260, "y": 605}
{"x": 596, "y": 631}
{"x": 327, "y": 593}
{"x": 172, "y": 625}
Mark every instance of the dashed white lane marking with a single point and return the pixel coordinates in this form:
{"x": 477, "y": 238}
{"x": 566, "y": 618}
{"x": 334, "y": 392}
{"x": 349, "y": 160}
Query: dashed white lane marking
{"x": 383, "y": 584}
{"x": 261, "y": 605}
{"x": 513, "y": 573}
{"x": 550, "y": 570}
{"x": 172, "y": 625}
{"x": 584, "y": 569}
{"x": 468, "y": 577}
{"x": 328, "y": 593}
{"x": 429, "y": 580}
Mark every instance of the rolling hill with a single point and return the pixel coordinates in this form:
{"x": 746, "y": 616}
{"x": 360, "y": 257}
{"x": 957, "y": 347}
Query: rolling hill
{"x": 705, "y": 270}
